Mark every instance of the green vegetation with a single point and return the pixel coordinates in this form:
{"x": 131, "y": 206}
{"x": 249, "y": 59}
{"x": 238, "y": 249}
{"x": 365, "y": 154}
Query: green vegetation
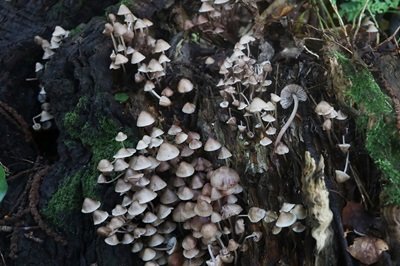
{"x": 351, "y": 9}
{"x": 378, "y": 123}
{"x": 98, "y": 136}
{"x": 3, "y": 183}
{"x": 121, "y": 97}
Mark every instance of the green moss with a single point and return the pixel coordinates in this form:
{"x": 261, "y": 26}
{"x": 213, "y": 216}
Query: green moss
{"x": 97, "y": 135}
{"x": 377, "y": 122}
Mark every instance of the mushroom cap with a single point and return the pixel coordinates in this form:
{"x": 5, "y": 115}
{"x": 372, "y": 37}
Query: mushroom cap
{"x": 149, "y": 218}
{"x": 185, "y": 193}
{"x": 298, "y": 227}
{"x": 120, "y": 165}
{"x": 265, "y": 141}
{"x": 137, "y": 246}
{"x": 136, "y": 208}
{"x": 323, "y": 108}
{"x": 137, "y": 57}
{"x": 185, "y": 85}
{"x": 229, "y": 210}
{"x": 112, "y": 240}
{"x": 286, "y": 219}
{"x": 287, "y": 207}
{"x": 203, "y": 208}
{"x": 121, "y": 186}
{"x": 99, "y": 216}
{"x": 206, "y": 7}
{"x": 155, "y": 240}
{"x": 145, "y": 119}
{"x": 127, "y": 239}
{"x": 144, "y": 195}
{"x": 189, "y": 108}
{"x": 123, "y": 10}
{"x": 118, "y": 210}
{"x": 257, "y": 105}
{"x": 212, "y": 145}
{"x": 184, "y": 169}
{"x": 270, "y": 216}
{"x": 154, "y": 66}
{"x": 245, "y": 39}
{"x": 287, "y": 95}
{"x": 168, "y": 197}
{"x": 224, "y": 178}
{"x": 121, "y": 137}
{"x": 156, "y": 183}
{"x": 209, "y": 231}
{"x": 224, "y": 154}
{"x": 299, "y": 211}
{"x": 167, "y": 152}
{"x": 341, "y": 176}
{"x": 105, "y": 166}
{"x": 140, "y": 162}
{"x": 147, "y": 254}
{"x": 161, "y": 46}
{"x": 281, "y": 149}
{"x": 89, "y": 205}
{"x": 256, "y": 214}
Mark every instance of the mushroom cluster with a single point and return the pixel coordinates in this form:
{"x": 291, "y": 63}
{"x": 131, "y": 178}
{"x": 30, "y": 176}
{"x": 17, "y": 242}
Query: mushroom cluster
{"x": 42, "y": 121}
{"x": 243, "y": 90}
{"x": 164, "y": 183}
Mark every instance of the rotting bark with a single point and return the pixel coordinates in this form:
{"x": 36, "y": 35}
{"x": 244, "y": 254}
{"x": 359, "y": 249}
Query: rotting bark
{"x": 79, "y": 83}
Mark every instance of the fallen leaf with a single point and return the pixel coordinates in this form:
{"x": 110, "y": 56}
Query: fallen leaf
{"x": 367, "y": 249}
{"x": 354, "y": 217}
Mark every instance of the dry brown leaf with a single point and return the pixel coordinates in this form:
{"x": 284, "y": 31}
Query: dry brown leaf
{"x": 367, "y": 249}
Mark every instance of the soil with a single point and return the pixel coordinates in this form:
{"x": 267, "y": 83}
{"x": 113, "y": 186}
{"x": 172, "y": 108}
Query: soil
{"x": 81, "y": 90}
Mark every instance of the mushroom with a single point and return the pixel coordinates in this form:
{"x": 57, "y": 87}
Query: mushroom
{"x": 289, "y": 94}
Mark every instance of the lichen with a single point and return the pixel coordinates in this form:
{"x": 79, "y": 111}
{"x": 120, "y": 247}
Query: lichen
{"x": 377, "y": 123}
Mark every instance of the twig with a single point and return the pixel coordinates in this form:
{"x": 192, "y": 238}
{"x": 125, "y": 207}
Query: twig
{"x": 359, "y": 20}
{"x": 14, "y": 117}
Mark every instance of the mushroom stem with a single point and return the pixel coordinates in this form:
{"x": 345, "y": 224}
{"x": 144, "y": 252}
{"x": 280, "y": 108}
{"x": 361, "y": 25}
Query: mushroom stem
{"x": 347, "y": 163}
{"x": 155, "y": 94}
{"x": 114, "y": 43}
{"x": 291, "y": 117}
{"x": 211, "y": 254}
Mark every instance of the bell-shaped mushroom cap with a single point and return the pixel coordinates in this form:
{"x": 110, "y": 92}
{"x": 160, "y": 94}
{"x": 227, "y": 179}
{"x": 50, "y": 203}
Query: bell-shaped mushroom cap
{"x": 184, "y": 169}
{"x": 167, "y": 152}
{"x": 112, "y": 240}
{"x": 181, "y": 214}
{"x": 154, "y": 66}
{"x": 137, "y": 57}
{"x": 281, "y": 149}
{"x": 298, "y": 227}
{"x": 59, "y": 31}
{"x": 161, "y": 46}
{"x": 105, "y": 166}
{"x": 120, "y": 165}
{"x": 299, "y": 211}
{"x": 163, "y": 59}
{"x": 164, "y": 101}
{"x": 275, "y": 98}
{"x": 136, "y": 208}
{"x": 224, "y": 153}
{"x": 168, "y": 197}
{"x": 185, "y": 85}
{"x": 138, "y": 232}
{"x": 156, "y": 183}
{"x": 287, "y": 95}
{"x": 155, "y": 240}
{"x": 121, "y": 137}
{"x": 156, "y": 132}
{"x": 215, "y": 217}
{"x": 372, "y": 28}
{"x": 344, "y": 147}
{"x": 271, "y": 131}
{"x": 89, "y": 205}
{"x": 212, "y": 145}
{"x": 144, "y": 195}
{"x": 123, "y": 10}
{"x": 118, "y": 210}
{"x": 99, "y": 216}
{"x": 166, "y": 227}
{"x": 323, "y": 108}
{"x": 257, "y": 105}
{"x": 189, "y": 242}
{"x": 195, "y": 144}
{"x": 265, "y": 141}
{"x": 286, "y": 219}
{"x": 149, "y": 218}
{"x": 341, "y": 176}
{"x": 150, "y": 230}
{"x": 145, "y": 119}
{"x": 137, "y": 246}
{"x": 185, "y": 193}
{"x": 127, "y": 239}
{"x": 209, "y": 231}
{"x": 181, "y": 137}
{"x": 124, "y": 153}
{"x": 147, "y": 254}
{"x": 203, "y": 208}
{"x": 224, "y": 178}
{"x": 229, "y": 210}
{"x": 120, "y": 59}
{"x": 173, "y": 130}
{"x": 270, "y": 216}
{"x": 256, "y": 214}
{"x": 189, "y": 108}
{"x": 116, "y": 222}
{"x": 163, "y": 211}
{"x": 121, "y": 186}
{"x": 140, "y": 163}
{"x": 206, "y": 7}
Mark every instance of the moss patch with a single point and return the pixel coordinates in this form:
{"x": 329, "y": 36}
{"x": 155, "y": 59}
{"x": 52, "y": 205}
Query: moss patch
{"x": 377, "y": 121}
{"x": 96, "y": 134}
